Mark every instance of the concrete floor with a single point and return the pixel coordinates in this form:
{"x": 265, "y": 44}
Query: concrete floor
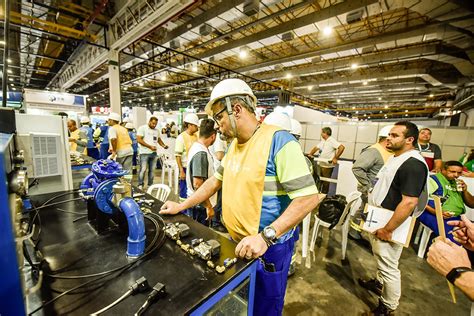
{"x": 330, "y": 286}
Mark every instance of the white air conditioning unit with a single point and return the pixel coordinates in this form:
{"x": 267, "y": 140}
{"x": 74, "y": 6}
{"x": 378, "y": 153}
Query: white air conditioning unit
{"x": 354, "y": 16}
{"x": 205, "y": 29}
{"x": 43, "y": 156}
{"x": 286, "y": 37}
{"x": 251, "y": 7}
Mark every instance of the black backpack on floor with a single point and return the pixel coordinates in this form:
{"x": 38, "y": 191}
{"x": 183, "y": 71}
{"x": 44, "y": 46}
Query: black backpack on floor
{"x": 331, "y": 208}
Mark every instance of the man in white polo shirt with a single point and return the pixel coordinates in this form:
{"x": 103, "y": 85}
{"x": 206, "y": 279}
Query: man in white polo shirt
{"x": 331, "y": 150}
{"x": 148, "y": 137}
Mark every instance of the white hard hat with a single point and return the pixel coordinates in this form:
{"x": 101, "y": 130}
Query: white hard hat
{"x": 192, "y": 118}
{"x": 296, "y": 128}
{"x": 228, "y": 87}
{"x": 384, "y": 131}
{"x": 115, "y": 116}
{"x": 129, "y": 125}
{"x": 278, "y": 119}
{"x": 85, "y": 120}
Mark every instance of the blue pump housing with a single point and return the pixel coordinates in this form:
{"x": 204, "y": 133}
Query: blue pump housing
{"x": 98, "y": 185}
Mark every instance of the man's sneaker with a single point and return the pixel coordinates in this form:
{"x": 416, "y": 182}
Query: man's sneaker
{"x": 372, "y": 285}
{"x": 381, "y": 310}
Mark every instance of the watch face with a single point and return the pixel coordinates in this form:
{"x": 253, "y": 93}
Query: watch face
{"x": 269, "y": 232}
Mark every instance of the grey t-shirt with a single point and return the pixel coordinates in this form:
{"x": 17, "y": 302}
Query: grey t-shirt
{"x": 198, "y": 166}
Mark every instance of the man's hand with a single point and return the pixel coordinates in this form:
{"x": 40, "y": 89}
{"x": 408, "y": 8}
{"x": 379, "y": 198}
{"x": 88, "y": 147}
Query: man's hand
{"x": 182, "y": 175}
{"x": 210, "y": 213}
{"x": 334, "y": 160}
{"x": 444, "y": 256}
{"x": 463, "y": 184}
{"x": 166, "y": 147}
{"x": 153, "y": 148}
{"x": 447, "y": 214}
{"x": 72, "y": 140}
{"x": 465, "y": 235}
{"x": 251, "y": 247}
{"x": 170, "y": 208}
{"x": 383, "y": 234}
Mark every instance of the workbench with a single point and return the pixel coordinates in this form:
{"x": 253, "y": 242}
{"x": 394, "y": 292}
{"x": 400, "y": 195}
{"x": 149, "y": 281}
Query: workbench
{"x": 72, "y": 247}
{"x": 86, "y": 164}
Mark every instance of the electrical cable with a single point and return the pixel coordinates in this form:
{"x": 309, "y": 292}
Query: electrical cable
{"x": 159, "y": 290}
{"x": 140, "y": 285}
{"x": 60, "y": 202}
{"x": 148, "y": 249}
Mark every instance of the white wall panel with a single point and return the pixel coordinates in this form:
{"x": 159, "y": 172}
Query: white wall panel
{"x": 437, "y": 135}
{"x": 367, "y": 133}
{"x": 452, "y": 152}
{"x": 455, "y": 137}
{"x": 309, "y": 144}
{"x": 347, "y": 133}
{"x": 313, "y": 131}
{"x": 349, "y": 150}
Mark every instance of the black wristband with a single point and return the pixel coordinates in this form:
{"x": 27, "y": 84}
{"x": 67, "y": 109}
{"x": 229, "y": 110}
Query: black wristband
{"x": 456, "y": 273}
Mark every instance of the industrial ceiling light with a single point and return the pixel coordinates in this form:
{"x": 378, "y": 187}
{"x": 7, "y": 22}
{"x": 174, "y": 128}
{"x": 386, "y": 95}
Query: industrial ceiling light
{"x": 9, "y": 71}
{"x": 243, "y": 53}
{"x": 9, "y": 60}
{"x": 140, "y": 100}
{"x": 129, "y": 101}
{"x": 338, "y": 100}
{"x": 365, "y": 83}
{"x": 380, "y": 99}
{"x": 2, "y": 42}
{"x": 153, "y": 97}
{"x": 163, "y": 76}
{"x": 354, "y": 108}
{"x": 357, "y": 112}
{"x": 194, "y": 68}
{"x": 368, "y": 117}
{"x": 186, "y": 92}
{"x": 386, "y": 106}
{"x": 125, "y": 88}
{"x": 11, "y": 79}
{"x": 354, "y": 66}
{"x": 210, "y": 88}
{"x": 14, "y": 89}
{"x": 310, "y": 88}
{"x": 406, "y": 111}
{"x": 141, "y": 84}
{"x": 289, "y": 76}
{"x": 167, "y": 95}
{"x": 327, "y": 30}
{"x": 431, "y": 95}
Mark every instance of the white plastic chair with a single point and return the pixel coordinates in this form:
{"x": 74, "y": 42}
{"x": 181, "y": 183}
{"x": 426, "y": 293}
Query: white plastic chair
{"x": 162, "y": 191}
{"x": 353, "y": 203}
{"x": 425, "y": 233}
{"x": 171, "y": 167}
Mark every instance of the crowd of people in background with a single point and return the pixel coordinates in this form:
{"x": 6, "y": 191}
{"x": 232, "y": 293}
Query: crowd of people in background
{"x": 402, "y": 172}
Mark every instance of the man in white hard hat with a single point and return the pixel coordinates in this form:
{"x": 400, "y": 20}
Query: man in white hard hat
{"x": 120, "y": 142}
{"x": 281, "y": 120}
{"x": 365, "y": 169}
{"x": 183, "y": 143}
{"x": 148, "y": 137}
{"x": 86, "y": 128}
{"x": 266, "y": 190}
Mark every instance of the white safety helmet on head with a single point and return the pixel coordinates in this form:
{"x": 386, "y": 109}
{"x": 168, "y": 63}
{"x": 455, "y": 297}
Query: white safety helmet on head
{"x": 191, "y": 118}
{"x": 115, "y": 116}
{"x": 129, "y": 125}
{"x": 384, "y": 131}
{"x": 85, "y": 120}
{"x": 229, "y": 87}
{"x": 296, "y": 128}
{"x": 278, "y": 119}
{"x": 126, "y": 120}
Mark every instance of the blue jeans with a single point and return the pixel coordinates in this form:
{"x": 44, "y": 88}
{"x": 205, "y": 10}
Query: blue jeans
{"x": 147, "y": 161}
{"x": 270, "y": 287}
{"x": 429, "y": 220}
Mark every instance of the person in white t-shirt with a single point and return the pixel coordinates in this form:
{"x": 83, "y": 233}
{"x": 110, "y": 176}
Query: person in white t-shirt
{"x": 148, "y": 137}
{"x": 330, "y": 150}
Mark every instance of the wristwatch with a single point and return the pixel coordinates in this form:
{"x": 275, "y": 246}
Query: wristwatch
{"x": 456, "y": 273}
{"x": 269, "y": 235}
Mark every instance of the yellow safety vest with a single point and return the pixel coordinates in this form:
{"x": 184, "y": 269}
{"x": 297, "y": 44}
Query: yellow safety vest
{"x": 189, "y": 140}
{"x": 383, "y": 152}
{"x": 74, "y": 135}
{"x": 123, "y": 138}
{"x": 243, "y": 182}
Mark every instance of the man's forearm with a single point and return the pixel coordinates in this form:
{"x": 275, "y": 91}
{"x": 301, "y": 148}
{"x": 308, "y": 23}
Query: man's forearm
{"x": 339, "y": 152}
{"x": 468, "y": 199}
{"x": 162, "y": 144}
{"x": 438, "y": 164}
{"x": 466, "y": 284}
{"x": 180, "y": 164}
{"x": 401, "y": 213}
{"x": 361, "y": 176}
{"x": 296, "y": 211}
{"x": 197, "y": 183}
{"x": 113, "y": 142}
{"x": 430, "y": 209}
{"x": 205, "y": 191}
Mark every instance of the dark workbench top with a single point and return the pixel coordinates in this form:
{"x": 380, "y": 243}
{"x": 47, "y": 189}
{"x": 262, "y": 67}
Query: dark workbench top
{"x": 86, "y": 161}
{"x": 74, "y": 248}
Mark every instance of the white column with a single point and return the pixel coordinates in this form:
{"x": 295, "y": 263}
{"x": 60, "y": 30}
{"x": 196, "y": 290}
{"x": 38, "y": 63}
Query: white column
{"x": 114, "y": 82}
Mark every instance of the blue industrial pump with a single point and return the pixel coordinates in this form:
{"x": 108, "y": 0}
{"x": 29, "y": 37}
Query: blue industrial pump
{"x": 109, "y": 197}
